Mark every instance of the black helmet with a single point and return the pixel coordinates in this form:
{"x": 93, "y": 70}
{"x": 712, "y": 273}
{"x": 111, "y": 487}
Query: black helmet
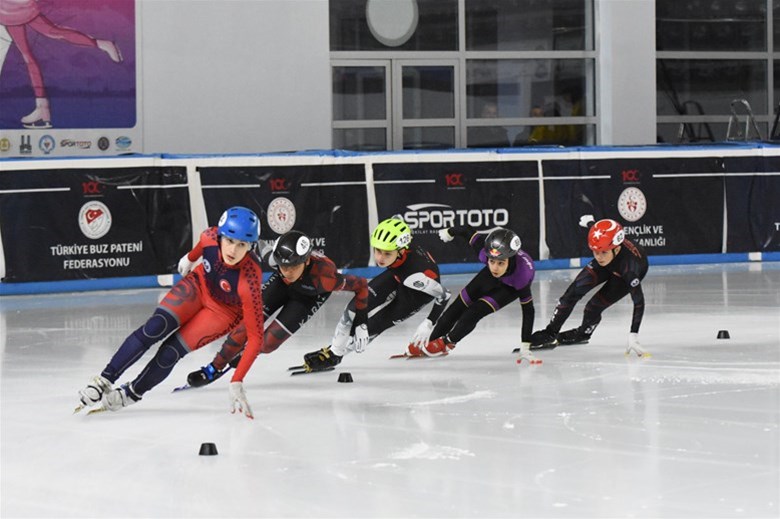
{"x": 292, "y": 248}
{"x": 502, "y": 244}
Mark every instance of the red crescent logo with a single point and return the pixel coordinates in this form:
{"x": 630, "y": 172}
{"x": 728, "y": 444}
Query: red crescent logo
{"x": 93, "y": 214}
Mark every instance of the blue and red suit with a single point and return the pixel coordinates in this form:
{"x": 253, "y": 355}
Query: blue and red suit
{"x": 206, "y": 304}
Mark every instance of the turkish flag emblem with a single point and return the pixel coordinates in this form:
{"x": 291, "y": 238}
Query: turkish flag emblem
{"x": 93, "y": 214}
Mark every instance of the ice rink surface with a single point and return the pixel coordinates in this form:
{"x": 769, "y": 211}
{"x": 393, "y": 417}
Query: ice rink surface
{"x": 690, "y": 432}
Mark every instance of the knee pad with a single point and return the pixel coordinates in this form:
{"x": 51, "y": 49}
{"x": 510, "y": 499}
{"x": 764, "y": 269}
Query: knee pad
{"x": 170, "y": 352}
{"x": 160, "y": 324}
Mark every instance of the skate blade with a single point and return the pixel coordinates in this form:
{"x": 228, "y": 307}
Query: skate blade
{"x": 573, "y": 343}
{"x": 97, "y": 410}
{"x": 79, "y": 408}
{"x": 407, "y": 356}
{"x": 545, "y": 346}
{"x": 310, "y": 372}
{"x": 37, "y": 125}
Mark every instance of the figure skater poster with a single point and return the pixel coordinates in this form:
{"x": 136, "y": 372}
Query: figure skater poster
{"x": 67, "y": 65}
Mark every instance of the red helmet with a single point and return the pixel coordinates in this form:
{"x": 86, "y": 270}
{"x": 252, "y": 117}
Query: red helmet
{"x": 605, "y": 235}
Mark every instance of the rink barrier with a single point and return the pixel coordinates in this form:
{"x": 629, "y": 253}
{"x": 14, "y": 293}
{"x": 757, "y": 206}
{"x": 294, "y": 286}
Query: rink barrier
{"x": 727, "y": 204}
{"x": 165, "y": 281}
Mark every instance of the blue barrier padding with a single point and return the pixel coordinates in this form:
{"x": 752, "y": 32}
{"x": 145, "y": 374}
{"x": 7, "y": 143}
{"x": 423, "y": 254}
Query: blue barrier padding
{"x": 695, "y": 259}
{"x": 77, "y": 285}
{"x": 557, "y": 264}
{"x": 460, "y": 268}
{"x": 84, "y": 285}
{"x": 348, "y": 153}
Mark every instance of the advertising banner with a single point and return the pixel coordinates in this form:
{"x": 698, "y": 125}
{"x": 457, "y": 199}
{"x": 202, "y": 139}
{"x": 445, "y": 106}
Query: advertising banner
{"x": 68, "y": 79}
{"x": 752, "y": 199}
{"x": 669, "y": 206}
{"x": 328, "y": 203}
{"x": 93, "y": 223}
{"x": 483, "y": 195}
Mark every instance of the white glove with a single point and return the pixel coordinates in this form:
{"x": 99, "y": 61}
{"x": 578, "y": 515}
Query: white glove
{"x": 633, "y": 346}
{"x": 422, "y": 334}
{"x": 525, "y": 354}
{"x": 264, "y": 247}
{"x": 185, "y": 265}
{"x": 586, "y": 220}
{"x": 445, "y": 236}
{"x": 361, "y": 338}
{"x": 238, "y": 401}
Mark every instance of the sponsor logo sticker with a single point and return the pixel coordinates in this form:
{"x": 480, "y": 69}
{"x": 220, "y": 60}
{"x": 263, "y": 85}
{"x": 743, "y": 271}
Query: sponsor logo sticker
{"x": 47, "y": 144}
{"x": 632, "y": 204}
{"x": 281, "y": 215}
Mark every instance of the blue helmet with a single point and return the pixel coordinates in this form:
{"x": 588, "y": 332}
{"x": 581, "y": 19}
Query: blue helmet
{"x": 239, "y": 223}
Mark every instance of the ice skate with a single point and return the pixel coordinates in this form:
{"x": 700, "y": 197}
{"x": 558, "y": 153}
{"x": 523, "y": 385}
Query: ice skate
{"x": 574, "y": 336}
{"x": 413, "y": 350}
{"x": 93, "y": 393}
{"x": 117, "y": 399}
{"x": 40, "y": 118}
{"x": 438, "y": 347}
{"x": 542, "y": 340}
{"x": 204, "y": 376}
{"x": 110, "y": 48}
{"x": 320, "y": 360}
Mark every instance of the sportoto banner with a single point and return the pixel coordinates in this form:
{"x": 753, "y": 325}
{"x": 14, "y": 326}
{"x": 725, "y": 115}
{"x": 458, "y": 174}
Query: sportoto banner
{"x": 93, "y": 223}
{"x": 328, "y": 203}
{"x": 752, "y": 200}
{"x": 434, "y": 196}
{"x": 669, "y": 206}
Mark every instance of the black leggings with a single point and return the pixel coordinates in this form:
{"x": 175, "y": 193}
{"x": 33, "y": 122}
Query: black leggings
{"x": 390, "y": 302}
{"x": 482, "y": 296}
{"x": 614, "y": 290}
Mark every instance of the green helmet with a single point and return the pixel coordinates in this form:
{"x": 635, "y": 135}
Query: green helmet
{"x": 391, "y": 234}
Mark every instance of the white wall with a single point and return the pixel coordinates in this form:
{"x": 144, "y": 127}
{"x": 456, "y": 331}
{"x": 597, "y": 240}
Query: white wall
{"x": 626, "y": 71}
{"x": 250, "y": 76}
{"x": 235, "y": 76}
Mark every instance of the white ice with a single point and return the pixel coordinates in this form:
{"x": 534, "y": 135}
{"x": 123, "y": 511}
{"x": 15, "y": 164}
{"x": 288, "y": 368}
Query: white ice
{"x": 690, "y": 432}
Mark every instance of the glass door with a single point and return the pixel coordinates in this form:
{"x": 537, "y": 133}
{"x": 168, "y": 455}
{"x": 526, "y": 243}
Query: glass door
{"x": 361, "y": 105}
{"x": 395, "y": 105}
{"x": 426, "y": 110}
